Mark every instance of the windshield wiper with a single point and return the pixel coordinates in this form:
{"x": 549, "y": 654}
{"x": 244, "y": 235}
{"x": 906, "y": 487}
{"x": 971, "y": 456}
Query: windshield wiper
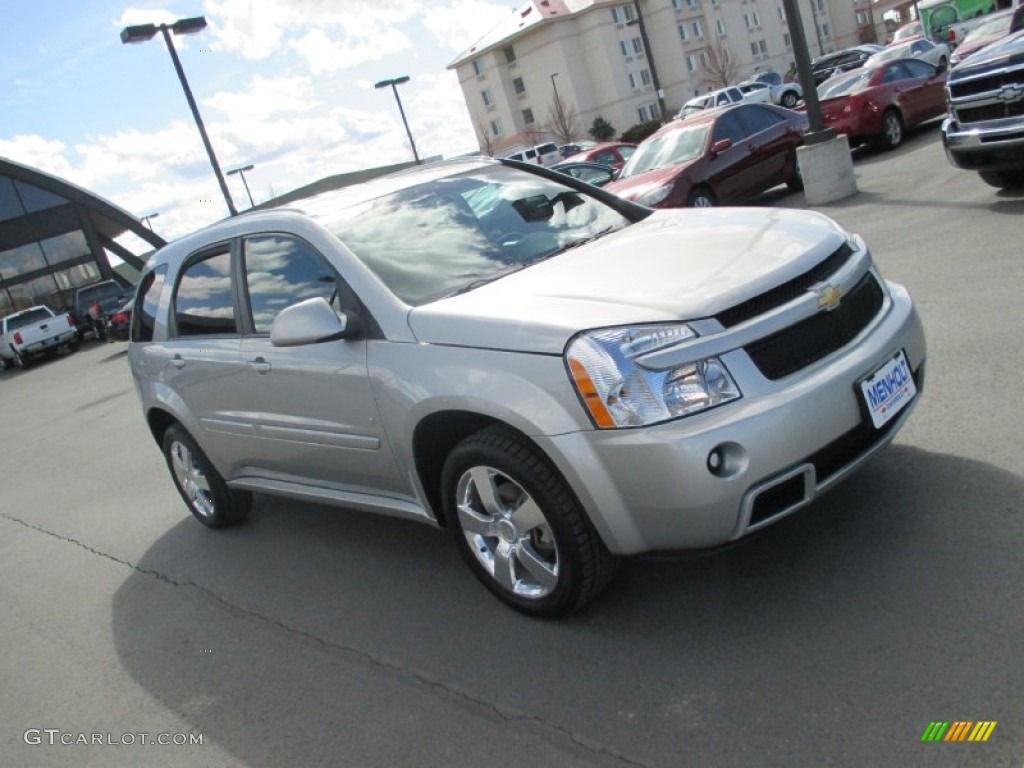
{"x": 578, "y": 243}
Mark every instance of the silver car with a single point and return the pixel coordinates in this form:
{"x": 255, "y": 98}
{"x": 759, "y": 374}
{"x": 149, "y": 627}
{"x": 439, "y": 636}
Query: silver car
{"x": 556, "y": 375}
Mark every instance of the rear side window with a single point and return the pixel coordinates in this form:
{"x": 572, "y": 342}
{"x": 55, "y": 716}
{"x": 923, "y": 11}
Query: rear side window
{"x": 204, "y": 303}
{"x": 146, "y": 303}
{"x": 280, "y": 271}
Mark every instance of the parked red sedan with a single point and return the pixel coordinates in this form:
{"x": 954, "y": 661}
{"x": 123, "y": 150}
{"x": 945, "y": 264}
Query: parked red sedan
{"x": 879, "y": 103}
{"x": 715, "y": 157}
{"x": 612, "y": 154}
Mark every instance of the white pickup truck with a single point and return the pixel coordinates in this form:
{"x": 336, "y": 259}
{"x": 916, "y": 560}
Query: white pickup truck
{"x": 33, "y": 332}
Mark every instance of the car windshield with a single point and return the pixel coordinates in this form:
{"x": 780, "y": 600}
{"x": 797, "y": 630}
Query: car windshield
{"x": 677, "y": 146}
{"x": 450, "y": 234}
{"x": 844, "y": 85}
{"x": 991, "y": 28}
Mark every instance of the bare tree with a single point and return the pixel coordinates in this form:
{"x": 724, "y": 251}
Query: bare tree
{"x": 487, "y": 140}
{"x": 721, "y": 69}
{"x": 563, "y": 121}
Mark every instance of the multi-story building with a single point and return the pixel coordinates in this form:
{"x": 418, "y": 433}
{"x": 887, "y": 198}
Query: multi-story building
{"x": 590, "y": 58}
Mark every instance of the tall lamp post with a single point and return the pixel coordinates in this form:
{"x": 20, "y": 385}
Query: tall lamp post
{"x": 143, "y": 32}
{"x": 639, "y": 21}
{"x": 394, "y": 82}
{"x": 241, "y": 172}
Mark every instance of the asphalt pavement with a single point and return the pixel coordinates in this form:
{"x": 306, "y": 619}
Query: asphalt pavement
{"x": 317, "y": 636}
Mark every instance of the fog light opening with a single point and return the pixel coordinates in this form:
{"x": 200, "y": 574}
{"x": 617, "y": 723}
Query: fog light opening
{"x": 727, "y": 460}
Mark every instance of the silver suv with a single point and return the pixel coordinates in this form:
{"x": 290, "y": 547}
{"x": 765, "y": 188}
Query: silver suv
{"x": 556, "y": 375}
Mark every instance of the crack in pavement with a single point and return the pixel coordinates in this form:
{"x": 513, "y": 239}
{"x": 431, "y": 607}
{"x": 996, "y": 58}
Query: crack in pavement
{"x": 502, "y": 713}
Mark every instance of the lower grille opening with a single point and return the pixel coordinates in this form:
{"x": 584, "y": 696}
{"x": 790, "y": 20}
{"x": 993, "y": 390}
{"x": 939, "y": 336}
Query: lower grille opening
{"x": 777, "y": 499}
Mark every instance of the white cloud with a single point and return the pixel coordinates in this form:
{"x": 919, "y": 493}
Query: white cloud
{"x": 37, "y": 152}
{"x": 326, "y": 54}
{"x": 263, "y": 97}
{"x": 462, "y": 23}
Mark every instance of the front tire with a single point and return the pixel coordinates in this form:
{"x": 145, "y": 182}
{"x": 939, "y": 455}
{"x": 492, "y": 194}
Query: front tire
{"x": 519, "y": 527}
{"x": 892, "y": 129}
{"x": 1003, "y": 179}
{"x": 202, "y": 488}
{"x": 789, "y": 99}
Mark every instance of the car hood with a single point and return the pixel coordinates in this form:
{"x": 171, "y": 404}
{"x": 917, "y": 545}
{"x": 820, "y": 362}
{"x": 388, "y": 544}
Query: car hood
{"x": 675, "y": 265}
{"x": 635, "y": 187}
{"x": 989, "y": 55}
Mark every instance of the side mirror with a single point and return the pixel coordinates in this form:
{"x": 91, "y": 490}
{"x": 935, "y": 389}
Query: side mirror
{"x": 720, "y": 146}
{"x": 311, "y": 322}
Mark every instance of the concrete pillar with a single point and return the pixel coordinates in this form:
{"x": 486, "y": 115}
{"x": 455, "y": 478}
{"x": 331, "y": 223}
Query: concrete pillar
{"x": 827, "y": 171}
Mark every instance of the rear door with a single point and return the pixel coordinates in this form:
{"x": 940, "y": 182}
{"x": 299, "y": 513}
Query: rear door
{"x": 772, "y": 146}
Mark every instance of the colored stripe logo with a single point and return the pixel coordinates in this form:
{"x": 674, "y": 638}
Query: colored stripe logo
{"x": 958, "y": 730}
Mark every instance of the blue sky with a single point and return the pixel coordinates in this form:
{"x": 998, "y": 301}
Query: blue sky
{"x": 286, "y": 85}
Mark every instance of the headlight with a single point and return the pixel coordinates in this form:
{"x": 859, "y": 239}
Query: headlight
{"x": 617, "y": 392}
{"x": 654, "y": 196}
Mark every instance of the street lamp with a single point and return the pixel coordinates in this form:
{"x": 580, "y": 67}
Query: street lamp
{"x": 393, "y": 83}
{"x": 141, "y": 33}
{"x": 149, "y": 217}
{"x": 241, "y": 172}
{"x": 639, "y": 21}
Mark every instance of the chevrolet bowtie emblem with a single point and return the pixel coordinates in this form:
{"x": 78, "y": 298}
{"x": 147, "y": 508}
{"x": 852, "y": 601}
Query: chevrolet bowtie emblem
{"x": 1008, "y": 93}
{"x": 828, "y": 297}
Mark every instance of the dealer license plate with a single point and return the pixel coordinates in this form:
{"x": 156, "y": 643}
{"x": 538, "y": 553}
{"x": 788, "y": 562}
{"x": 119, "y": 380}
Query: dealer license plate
{"x": 888, "y": 390}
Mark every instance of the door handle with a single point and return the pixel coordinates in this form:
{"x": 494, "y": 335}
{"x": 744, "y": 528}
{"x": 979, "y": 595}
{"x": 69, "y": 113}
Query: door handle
{"x": 260, "y": 365}
{"x": 177, "y": 361}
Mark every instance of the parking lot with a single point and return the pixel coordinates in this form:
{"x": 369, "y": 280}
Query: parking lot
{"x": 314, "y": 636}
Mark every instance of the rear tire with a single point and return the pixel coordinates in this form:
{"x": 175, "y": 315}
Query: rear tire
{"x": 520, "y": 528}
{"x": 789, "y": 99}
{"x": 202, "y": 488}
{"x": 1003, "y": 179}
{"x": 795, "y": 182}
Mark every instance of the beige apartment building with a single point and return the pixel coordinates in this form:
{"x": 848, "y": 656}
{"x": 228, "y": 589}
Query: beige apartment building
{"x": 589, "y": 57}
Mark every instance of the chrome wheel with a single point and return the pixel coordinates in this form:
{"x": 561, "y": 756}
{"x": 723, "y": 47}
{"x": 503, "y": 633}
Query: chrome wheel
{"x": 191, "y": 480}
{"x": 507, "y": 532}
{"x": 892, "y": 129}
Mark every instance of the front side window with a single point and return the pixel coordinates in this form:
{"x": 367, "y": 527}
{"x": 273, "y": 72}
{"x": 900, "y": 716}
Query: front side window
{"x": 281, "y": 270}
{"x": 204, "y": 302}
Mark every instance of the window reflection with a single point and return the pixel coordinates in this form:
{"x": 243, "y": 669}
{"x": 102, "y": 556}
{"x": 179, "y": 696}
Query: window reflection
{"x": 439, "y": 237}
{"x": 281, "y": 271}
{"x": 66, "y": 247}
{"x": 204, "y": 303}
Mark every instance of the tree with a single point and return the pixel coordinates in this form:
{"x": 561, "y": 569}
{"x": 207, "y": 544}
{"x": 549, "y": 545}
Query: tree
{"x": 563, "y": 121}
{"x": 721, "y": 69}
{"x": 487, "y": 141}
{"x": 601, "y": 130}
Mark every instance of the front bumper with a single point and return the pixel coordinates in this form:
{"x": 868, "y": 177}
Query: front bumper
{"x": 651, "y": 488}
{"x": 997, "y": 145}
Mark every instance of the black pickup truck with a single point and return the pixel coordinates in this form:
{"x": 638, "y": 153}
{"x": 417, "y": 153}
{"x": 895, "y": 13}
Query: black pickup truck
{"x": 109, "y": 293}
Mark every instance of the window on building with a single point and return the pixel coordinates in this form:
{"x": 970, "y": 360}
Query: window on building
{"x": 698, "y": 30}
{"x": 824, "y": 30}
{"x": 645, "y": 77}
{"x": 632, "y": 80}
{"x": 782, "y": 13}
{"x": 862, "y": 18}
{"x": 10, "y": 203}
{"x": 702, "y": 57}
{"x": 21, "y": 260}
{"x": 786, "y": 40}
{"x": 624, "y": 47}
{"x": 478, "y": 66}
{"x": 678, "y": 5}
{"x": 821, "y": 6}
{"x": 528, "y": 116}
{"x": 622, "y": 13}
{"x": 36, "y": 199}
{"x": 496, "y": 127}
{"x": 758, "y": 46}
{"x": 762, "y": 46}
{"x": 638, "y": 46}
{"x": 66, "y": 247}
{"x": 720, "y": 26}
{"x": 487, "y": 97}
{"x": 684, "y": 32}
{"x": 518, "y": 85}
{"x": 753, "y": 19}
{"x": 691, "y": 63}
{"x": 204, "y": 302}
{"x": 510, "y": 54}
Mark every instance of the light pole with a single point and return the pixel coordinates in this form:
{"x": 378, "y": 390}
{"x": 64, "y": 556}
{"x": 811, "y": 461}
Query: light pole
{"x": 650, "y": 59}
{"x": 143, "y": 32}
{"x": 241, "y": 172}
{"x": 393, "y": 82}
{"x": 148, "y": 218}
